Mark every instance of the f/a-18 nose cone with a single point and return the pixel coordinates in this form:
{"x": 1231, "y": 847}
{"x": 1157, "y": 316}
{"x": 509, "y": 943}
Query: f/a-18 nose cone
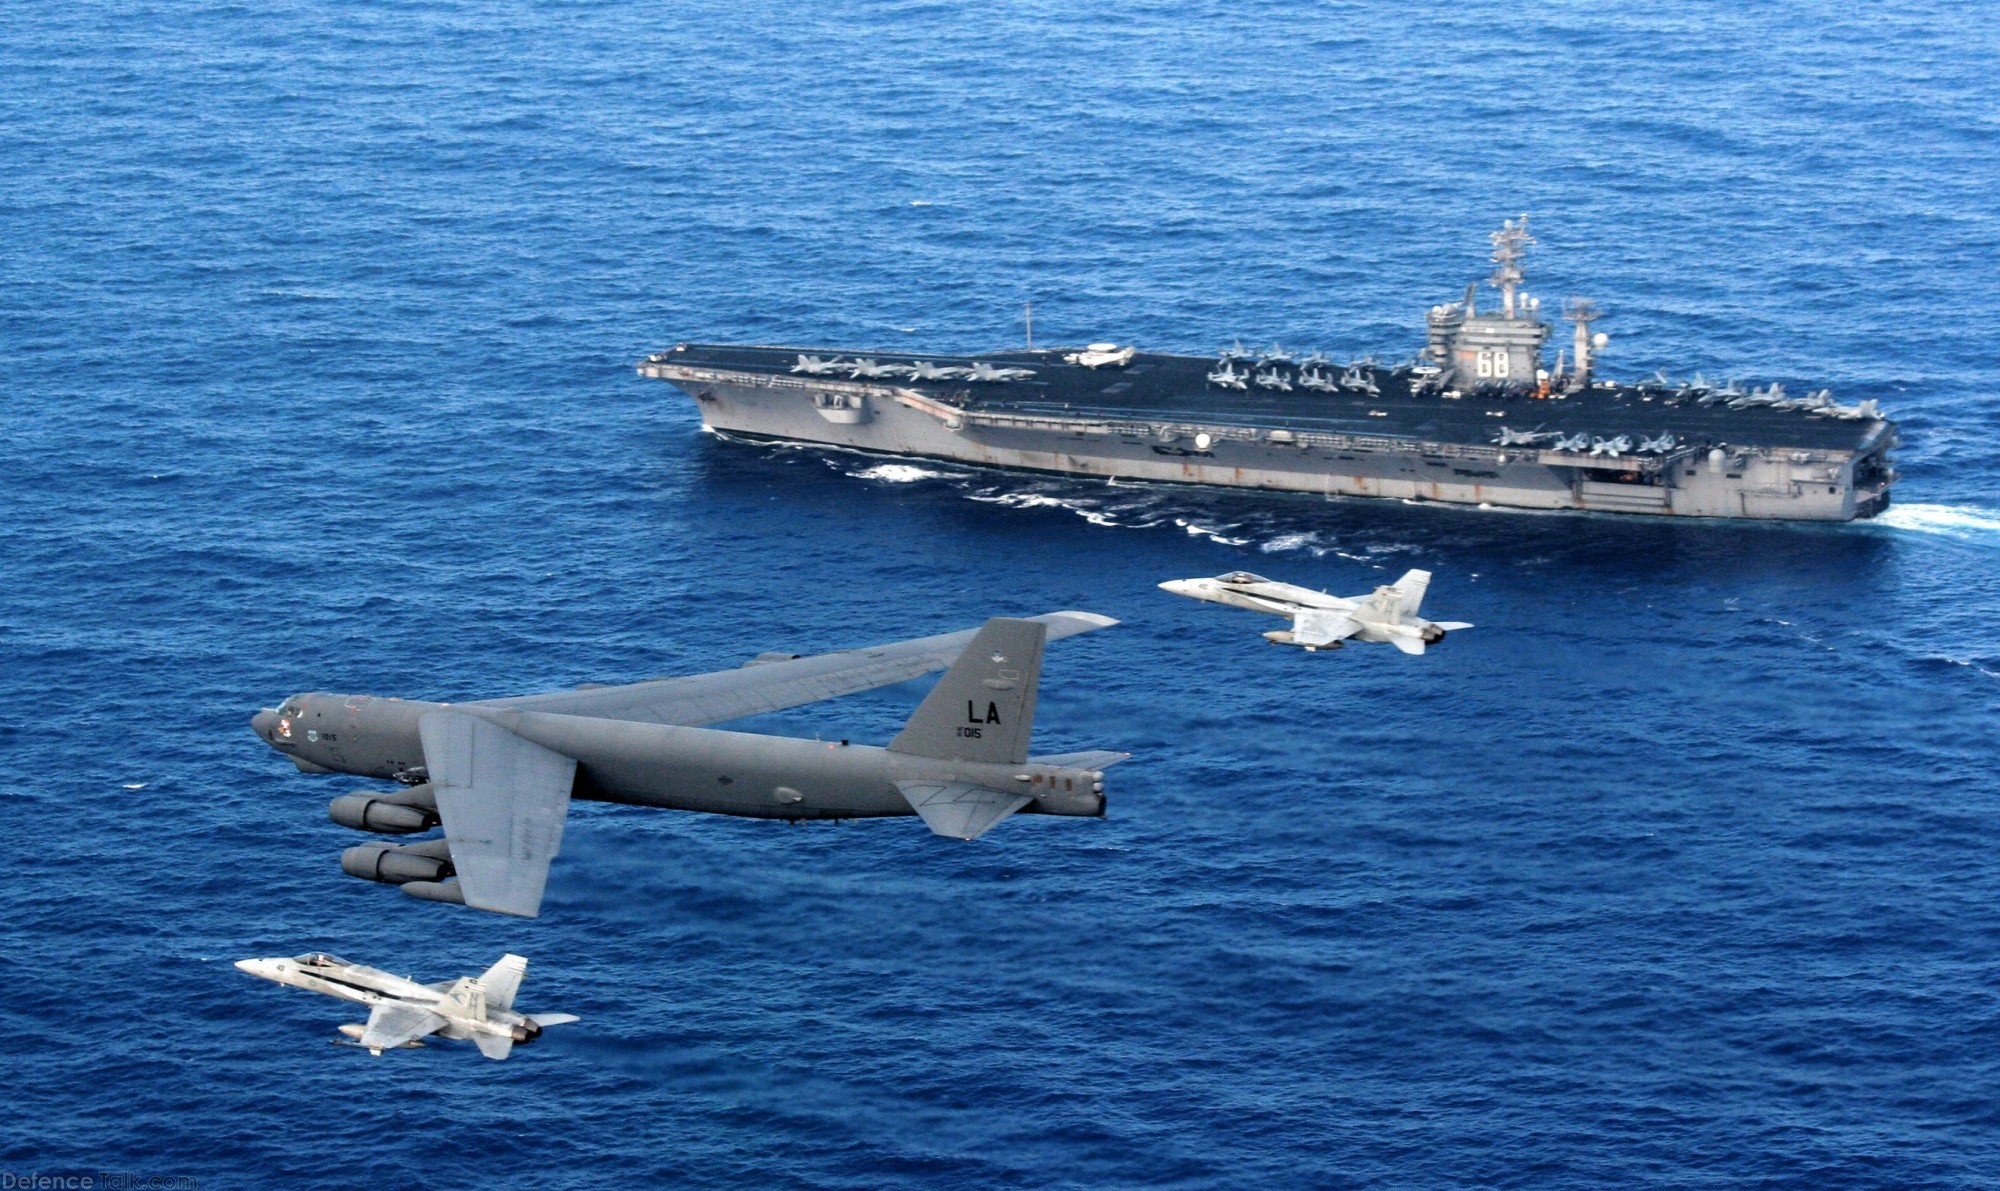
{"x": 263, "y": 724}
{"x": 252, "y": 966}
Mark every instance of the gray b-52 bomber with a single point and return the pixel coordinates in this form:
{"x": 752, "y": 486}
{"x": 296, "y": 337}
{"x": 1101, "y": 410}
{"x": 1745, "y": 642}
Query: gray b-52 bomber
{"x": 499, "y": 774}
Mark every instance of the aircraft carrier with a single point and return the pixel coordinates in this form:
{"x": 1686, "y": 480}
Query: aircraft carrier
{"x": 1477, "y": 418}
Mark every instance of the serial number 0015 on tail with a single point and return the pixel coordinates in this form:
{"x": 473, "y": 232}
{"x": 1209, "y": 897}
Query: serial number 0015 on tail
{"x": 1477, "y": 419}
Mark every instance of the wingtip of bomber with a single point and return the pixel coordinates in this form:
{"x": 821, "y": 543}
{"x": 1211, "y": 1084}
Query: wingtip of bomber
{"x": 1092, "y": 619}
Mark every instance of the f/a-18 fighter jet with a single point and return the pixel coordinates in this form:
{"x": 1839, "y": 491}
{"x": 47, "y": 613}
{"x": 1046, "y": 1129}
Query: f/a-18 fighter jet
{"x": 499, "y": 774}
{"x": 1321, "y": 621}
{"x": 401, "y": 1011}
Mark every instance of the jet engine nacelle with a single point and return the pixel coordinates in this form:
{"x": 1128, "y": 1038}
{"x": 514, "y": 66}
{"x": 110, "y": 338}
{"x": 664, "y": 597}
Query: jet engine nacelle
{"x": 435, "y": 891}
{"x": 392, "y": 864}
{"x": 389, "y": 814}
{"x": 1085, "y": 804}
{"x": 1074, "y": 792}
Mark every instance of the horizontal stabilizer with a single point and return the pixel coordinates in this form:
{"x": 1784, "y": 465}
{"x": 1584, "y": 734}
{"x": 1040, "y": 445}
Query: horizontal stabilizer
{"x": 494, "y": 1046}
{"x": 1451, "y": 626}
{"x": 1408, "y": 644}
{"x": 1101, "y": 759}
{"x": 984, "y": 707}
{"x": 1322, "y": 626}
{"x": 958, "y": 810}
{"x": 545, "y": 1020}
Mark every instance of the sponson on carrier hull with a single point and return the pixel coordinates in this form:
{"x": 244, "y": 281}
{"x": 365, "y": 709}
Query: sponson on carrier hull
{"x": 1479, "y": 418}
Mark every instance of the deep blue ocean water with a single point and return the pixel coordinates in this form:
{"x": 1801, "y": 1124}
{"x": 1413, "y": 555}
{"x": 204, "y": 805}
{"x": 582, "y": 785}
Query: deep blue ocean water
{"x": 316, "y": 332}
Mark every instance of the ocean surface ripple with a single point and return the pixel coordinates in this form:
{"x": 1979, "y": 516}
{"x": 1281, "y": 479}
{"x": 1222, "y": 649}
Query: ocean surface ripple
{"x": 316, "y": 330}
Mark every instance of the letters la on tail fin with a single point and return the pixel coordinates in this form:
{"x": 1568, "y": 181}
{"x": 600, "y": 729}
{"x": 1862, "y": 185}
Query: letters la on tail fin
{"x": 983, "y": 709}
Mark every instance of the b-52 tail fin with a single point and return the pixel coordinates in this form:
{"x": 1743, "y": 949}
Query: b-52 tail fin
{"x": 983, "y": 709}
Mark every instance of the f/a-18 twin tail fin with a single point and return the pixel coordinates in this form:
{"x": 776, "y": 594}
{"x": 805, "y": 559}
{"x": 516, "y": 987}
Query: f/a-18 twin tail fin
{"x": 1410, "y": 592}
{"x": 503, "y": 980}
{"x": 983, "y": 709}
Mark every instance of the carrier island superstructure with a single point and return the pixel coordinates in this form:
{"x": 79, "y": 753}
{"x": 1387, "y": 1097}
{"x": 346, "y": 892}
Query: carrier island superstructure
{"x": 1479, "y": 417}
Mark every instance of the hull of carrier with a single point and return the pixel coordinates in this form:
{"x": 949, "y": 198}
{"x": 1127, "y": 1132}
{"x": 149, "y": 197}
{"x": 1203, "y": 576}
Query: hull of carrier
{"x": 1812, "y": 483}
{"x": 1475, "y": 419}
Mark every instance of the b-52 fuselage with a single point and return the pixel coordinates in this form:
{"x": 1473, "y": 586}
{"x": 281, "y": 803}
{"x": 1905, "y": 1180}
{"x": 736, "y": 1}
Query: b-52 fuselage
{"x": 499, "y": 774}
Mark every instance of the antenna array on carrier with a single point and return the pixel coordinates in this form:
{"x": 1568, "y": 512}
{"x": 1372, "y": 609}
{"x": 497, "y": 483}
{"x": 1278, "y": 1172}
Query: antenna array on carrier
{"x": 1583, "y": 312}
{"x": 1510, "y": 245}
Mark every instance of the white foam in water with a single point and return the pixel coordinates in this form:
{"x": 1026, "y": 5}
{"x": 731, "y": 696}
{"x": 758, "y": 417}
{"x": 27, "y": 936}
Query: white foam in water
{"x": 897, "y": 473}
{"x": 1970, "y": 524}
{"x": 1289, "y": 541}
{"x": 1032, "y": 500}
{"x": 1202, "y": 531}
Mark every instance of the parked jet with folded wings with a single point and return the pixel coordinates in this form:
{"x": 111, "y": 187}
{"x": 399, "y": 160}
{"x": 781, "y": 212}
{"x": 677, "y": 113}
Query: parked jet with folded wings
{"x": 499, "y": 774}
{"x": 1322, "y": 621}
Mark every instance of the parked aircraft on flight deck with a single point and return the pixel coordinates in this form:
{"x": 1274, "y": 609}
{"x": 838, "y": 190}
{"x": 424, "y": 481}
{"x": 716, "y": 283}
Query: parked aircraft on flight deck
{"x": 499, "y": 774}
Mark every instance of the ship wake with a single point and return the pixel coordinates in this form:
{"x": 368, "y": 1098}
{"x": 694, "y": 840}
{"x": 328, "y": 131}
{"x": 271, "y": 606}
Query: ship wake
{"x": 1964, "y": 523}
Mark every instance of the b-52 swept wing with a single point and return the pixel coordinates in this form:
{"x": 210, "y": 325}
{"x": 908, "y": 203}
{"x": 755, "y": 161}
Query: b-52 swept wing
{"x": 499, "y": 774}
{"x": 1321, "y": 621}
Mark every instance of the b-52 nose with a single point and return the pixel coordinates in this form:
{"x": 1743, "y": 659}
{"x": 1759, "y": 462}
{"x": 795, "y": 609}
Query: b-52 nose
{"x": 264, "y": 723}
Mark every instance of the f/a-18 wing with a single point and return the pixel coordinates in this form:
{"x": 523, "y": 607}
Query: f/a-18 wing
{"x": 392, "y": 1025}
{"x": 1322, "y": 626}
{"x": 698, "y": 699}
